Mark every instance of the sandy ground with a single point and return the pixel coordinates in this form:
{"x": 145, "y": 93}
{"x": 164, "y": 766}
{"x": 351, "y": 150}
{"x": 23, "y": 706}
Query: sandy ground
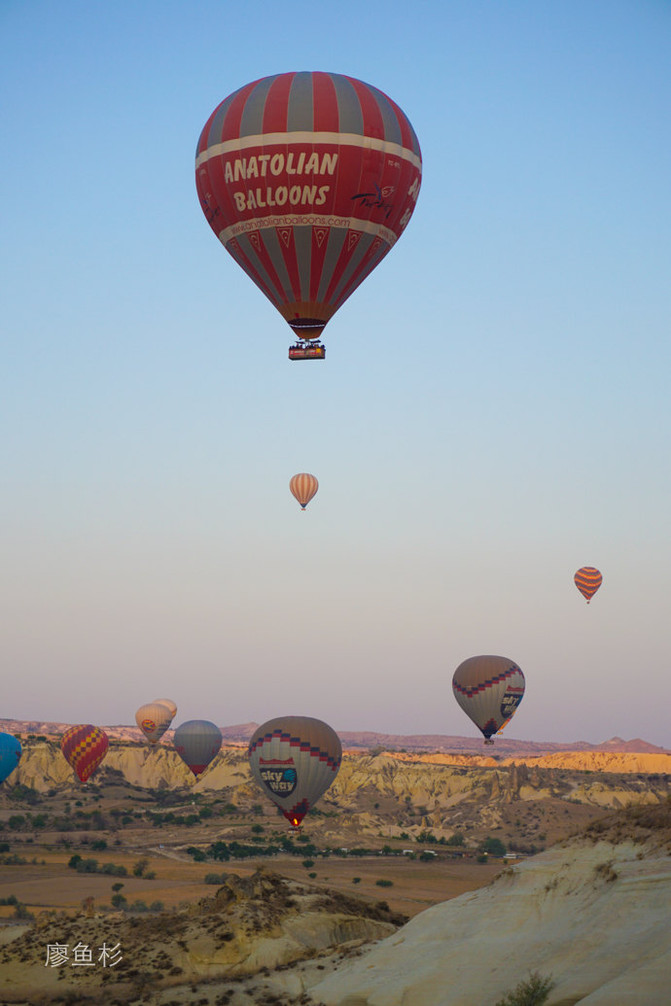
{"x": 416, "y": 885}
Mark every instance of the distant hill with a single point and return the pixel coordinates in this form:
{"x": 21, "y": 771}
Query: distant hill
{"x": 371, "y": 740}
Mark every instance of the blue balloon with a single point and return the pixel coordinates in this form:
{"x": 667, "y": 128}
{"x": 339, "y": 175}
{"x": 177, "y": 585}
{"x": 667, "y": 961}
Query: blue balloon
{"x": 10, "y": 753}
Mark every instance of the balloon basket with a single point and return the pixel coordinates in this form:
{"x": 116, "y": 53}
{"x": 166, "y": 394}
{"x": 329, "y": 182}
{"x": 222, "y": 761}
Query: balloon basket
{"x": 307, "y": 351}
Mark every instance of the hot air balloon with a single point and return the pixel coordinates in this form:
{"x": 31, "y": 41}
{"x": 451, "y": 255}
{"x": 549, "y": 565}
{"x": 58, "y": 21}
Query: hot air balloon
{"x": 170, "y": 704}
{"x": 153, "y": 719}
{"x": 308, "y": 179}
{"x": 489, "y": 689}
{"x": 84, "y": 747}
{"x": 197, "y": 742}
{"x": 10, "y": 755}
{"x": 588, "y": 579}
{"x": 294, "y": 759}
{"x": 303, "y": 486}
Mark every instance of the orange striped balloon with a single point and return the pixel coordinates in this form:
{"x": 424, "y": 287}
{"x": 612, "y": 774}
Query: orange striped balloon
{"x": 588, "y": 579}
{"x": 303, "y": 486}
{"x": 84, "y": 747}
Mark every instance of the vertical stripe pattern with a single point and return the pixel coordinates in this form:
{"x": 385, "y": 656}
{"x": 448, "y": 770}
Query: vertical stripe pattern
{"x": 303, "y": 487}
{"x": 308, "y": 179}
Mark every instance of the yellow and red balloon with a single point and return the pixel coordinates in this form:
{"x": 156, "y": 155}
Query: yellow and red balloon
{"x": 84, "y": 747}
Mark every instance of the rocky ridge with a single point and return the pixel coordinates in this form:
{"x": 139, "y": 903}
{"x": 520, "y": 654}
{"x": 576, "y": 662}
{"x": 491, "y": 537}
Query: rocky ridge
{"x": 251, "y": 925}
{"x": 592, "y": 914}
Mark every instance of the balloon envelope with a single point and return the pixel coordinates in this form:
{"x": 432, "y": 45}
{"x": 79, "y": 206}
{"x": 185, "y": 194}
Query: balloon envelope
{"x": 10, "y": 755}
{"x": 84, "y": 747}
{"x": 294, "y": 759}
{"x": 170, "y": 704}
{"x": 489, "y": 690}
{"x": 588, "y": 579}
{"x": 308, "y": 179}
{"x": 197, "y": 742}
{"x": 303, "y": 486}
{"x": 153, "y": 719}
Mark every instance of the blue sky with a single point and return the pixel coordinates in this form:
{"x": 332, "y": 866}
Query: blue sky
{"x": 493, "y": 412}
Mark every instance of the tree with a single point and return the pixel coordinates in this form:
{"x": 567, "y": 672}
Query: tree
{"x": 494, "y": 846}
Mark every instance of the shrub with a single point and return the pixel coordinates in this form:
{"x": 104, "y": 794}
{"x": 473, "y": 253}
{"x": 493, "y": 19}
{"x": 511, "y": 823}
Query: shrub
{"x": 494, "y": 846}
{"x": 87, "y": 866}
{"x": 356, "y": 880}
{"x": 198, "y": 855}
{"x": 21, "y": 912}
{"x": 426, "y": 837}
{"x": 532, "y": 992}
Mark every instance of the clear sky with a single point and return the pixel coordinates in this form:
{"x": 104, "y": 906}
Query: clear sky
{"x": 494, "y": 410}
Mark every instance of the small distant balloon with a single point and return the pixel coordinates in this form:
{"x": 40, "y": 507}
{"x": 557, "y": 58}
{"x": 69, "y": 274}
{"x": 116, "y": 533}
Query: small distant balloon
{"x": 303, "y": 487}
{"x": 294, "y": 759}
{"x": 84, "y": 747}
{"x": 170, "y": 704}
{"x": 197, "y": 742}
{"x": 153, "y": 719}
{"x": 489, "y": 689}
{"x": 588, "y": 579}
{"x": 10, "y": 755}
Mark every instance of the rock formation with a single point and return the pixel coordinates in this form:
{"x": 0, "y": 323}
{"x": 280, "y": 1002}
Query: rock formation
{"x": 592, "y": 913}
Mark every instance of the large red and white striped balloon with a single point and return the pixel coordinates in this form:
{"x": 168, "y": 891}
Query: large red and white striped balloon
{"x": 308, "y": 179}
